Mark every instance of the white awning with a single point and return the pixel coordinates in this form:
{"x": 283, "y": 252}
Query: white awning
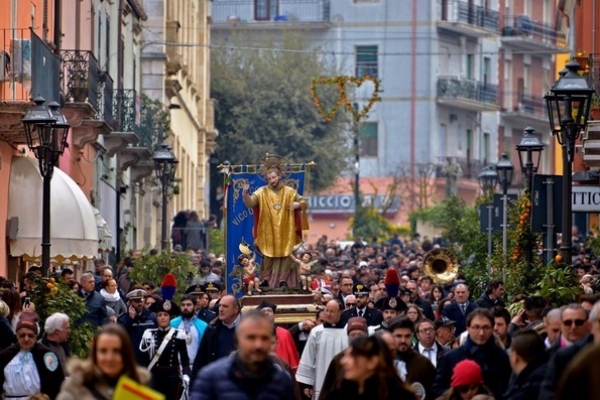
{"x": 73, "y": 230}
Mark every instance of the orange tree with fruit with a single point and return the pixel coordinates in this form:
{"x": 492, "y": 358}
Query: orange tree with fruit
{"x": 51, "y": 295}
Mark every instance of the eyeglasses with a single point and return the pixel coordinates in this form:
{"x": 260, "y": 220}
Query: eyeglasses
{"x": 426, "y": 330}
{"x": 485, "y": 328}
{"x": 350, "y": 304}
{"x": 381, "y": 289}
{"x": 577, "y": 322}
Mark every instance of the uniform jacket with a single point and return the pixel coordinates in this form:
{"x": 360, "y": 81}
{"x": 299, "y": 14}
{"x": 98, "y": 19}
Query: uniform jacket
{"x": 453, "y": 312}
{"x": 372, "y": 315}
{"x": 136, "y": 328}
{"x": 174, "y": 352}
{"x": 206, "y": 315}
{"x": 50, "y": 380}
{"x": 75, "y": 388}
{"x": 225, "y": 380}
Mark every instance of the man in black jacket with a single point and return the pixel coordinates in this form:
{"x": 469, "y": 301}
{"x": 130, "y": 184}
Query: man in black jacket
{"x": 421, "y": 303}
{"x": 480, "y": 347}
{"x": 460, "y": 308}
{"x": 218, "y": 340}
{"x": 528, "y": 360}
{"x": 372, "y": 315}
{"x": 492, "y": 296}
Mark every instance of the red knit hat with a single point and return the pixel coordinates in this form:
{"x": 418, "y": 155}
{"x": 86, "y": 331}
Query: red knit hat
{"x": 466, "y": 372}
{"x": 28, "y": 320}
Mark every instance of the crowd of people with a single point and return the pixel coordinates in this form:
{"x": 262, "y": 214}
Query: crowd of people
{"x": 383, "y": 329}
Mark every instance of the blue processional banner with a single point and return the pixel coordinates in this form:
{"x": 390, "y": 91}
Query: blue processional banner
{"x": 239, "y": 219}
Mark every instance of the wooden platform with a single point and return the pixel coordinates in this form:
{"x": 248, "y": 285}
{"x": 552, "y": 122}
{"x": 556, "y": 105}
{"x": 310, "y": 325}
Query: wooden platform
{"x": 291, "y": 308}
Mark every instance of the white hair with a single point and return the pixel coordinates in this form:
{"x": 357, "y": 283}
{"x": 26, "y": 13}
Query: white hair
{"x": 56, "y": 322}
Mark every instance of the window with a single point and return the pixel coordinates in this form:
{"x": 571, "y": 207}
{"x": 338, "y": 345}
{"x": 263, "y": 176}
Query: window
{"x": 265, "y": 10}
{"x": 33, "y": 12}
{"x": 366, "y": 61}
{"x": 469, "y": 66}
{"x": 487, "y": 67}
{"x": 367, "y": 134}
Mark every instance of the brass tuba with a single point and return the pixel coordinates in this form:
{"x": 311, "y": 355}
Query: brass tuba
{"x": 441, "y": 265}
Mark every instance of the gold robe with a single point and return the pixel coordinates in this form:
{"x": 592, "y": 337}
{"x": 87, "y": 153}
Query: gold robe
{"x": 276, "y": 232}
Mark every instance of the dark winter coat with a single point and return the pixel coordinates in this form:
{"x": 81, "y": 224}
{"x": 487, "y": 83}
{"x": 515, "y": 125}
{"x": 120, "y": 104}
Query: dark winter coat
{"x": 493, "y": 360}
{"x": 528, "y": 383}
{"x": 225, "y": 379}
{"x": 349, "y": 390}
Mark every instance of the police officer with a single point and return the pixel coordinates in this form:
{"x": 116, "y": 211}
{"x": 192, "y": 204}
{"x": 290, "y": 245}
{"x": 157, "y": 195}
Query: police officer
{"x": 137, "y": 319}
{"x": 164, "y": 351}
{"x": 202, "y": 311}
{"x": 390, "y": 307}
{"x": 371, "y": 315}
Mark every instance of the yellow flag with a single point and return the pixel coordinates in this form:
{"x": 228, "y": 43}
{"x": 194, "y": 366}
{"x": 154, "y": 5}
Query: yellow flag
{"x": 128, "y": 389}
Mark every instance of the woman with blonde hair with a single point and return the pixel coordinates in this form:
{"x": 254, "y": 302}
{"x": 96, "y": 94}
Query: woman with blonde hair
{"x": 7, "y": 336}
{"x": 110, "y": 357}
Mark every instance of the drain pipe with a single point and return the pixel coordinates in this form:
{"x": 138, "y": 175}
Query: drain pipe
{"x": 57, "y": 26}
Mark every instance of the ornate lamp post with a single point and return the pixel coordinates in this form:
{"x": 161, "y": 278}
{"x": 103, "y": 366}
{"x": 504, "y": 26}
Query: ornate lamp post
{"x": 568, "y": 105}
{"x": 46, "y": 130}
{"x": 165, "y": 165}
{"x": 488, "y": 179}
{"x": 530, "y": 152}
{"x": 505, "y": 170}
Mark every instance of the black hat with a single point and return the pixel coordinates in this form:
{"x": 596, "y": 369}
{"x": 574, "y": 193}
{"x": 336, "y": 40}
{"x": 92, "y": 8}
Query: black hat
{"x": 165, "y": 306}
{"x": 391, "y": 303}
{"x": 214, "y": 286}
{"x": 266, "y": 304}
{"x": 196, "y": 290}
{"x": 360, "y": 290}
{"x": 440, "y": 322}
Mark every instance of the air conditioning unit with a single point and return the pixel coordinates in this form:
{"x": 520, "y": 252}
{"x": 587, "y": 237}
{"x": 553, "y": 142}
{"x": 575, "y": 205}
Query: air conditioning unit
{"x": 20, "y": 50}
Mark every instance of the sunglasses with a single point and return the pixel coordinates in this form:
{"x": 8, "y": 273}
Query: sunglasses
{"x": 577, "y": 322}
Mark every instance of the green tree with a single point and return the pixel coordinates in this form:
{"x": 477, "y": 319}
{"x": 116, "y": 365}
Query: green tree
{"x": 263, "y": 105}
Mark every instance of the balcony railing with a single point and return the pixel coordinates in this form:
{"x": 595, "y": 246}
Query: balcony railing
{"x": 531, "y": 105}
{"x": 151, "y": 129}
{"x": 105, "y": 99}
{"x": 79, "y": 77}
{"x": 462, "y": 11}
{"x": 469, "y": 89}
{"x": 126, "y": 110}
{"x": 252, "y": 11}
{"x": 28, "y": 68}
{"x": 470, "y": 168}
{"x": 522, "y": 25}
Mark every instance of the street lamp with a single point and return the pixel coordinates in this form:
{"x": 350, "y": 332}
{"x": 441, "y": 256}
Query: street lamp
{"x": 165, "y": 165}
{"x": 530, "y": 152}
{"x": 568, "y": 105}
{"x": 505, "y": 170}
{"x": 46, "y": 131}
{"x": 488, "y": 179}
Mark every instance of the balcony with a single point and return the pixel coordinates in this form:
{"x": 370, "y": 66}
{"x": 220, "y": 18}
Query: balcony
{"x": 28, "y": 68}
{"x": 462, "y": 18}
{"x": 79, "y": 78}
{"x": 529, "y": 110}
{"x": 151, "y": 129}
{"x": 467, "y": 94}
{"x": 105, "y": 99}
{"x": 126, "y": 114}
{"x": 470, "y": 168}
{"x": 523, "y": 33}
{"x": 271, "y": 14}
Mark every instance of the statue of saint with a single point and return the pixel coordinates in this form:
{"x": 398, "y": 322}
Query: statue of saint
{"x": 453, "y": 173}
{"x": 279, "y": 218}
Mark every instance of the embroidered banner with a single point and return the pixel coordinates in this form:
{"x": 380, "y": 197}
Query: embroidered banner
{"x": 239, "y": 219}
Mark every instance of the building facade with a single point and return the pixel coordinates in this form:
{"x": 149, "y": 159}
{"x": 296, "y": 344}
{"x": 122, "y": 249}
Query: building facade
{"x": 461, "y": 80}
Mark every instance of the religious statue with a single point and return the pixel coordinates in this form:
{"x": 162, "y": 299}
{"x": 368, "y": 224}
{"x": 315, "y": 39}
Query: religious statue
{"x": 279, "y": 219}
{"x": 453, "y": 172}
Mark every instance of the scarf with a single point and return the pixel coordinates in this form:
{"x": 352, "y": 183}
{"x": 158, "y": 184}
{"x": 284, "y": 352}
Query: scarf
{"x": 481, "y": 354}
{"x": 108, "y": 297}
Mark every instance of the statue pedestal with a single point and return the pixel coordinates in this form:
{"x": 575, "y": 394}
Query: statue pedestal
{"x": 291, "y": 308}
